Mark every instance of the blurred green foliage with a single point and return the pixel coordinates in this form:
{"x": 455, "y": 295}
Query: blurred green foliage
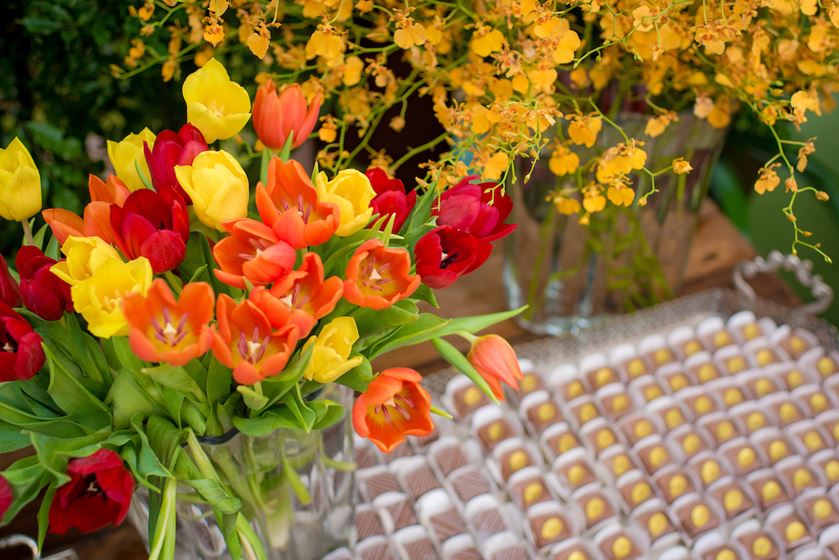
{"x": 58, "y": 95}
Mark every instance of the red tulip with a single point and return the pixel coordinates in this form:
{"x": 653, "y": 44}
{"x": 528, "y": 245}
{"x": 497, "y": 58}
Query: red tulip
{"x": 252, "y": 251}
{"x": 393, "y": 406}
{"x": 9, "y": 290}
{"x": 171, "y": 149}
{"x": 98, "y": 494}
{"x": 496, "y": 361}
{"x": 7, "y": 496}
{"x": 378, "y": 276}
{"x": 275, "y": 117}
{"x": 21, "y": 355}
{"x": 42, "y": 292}
{"x": 444, "y": 254}
{"x": 152, "y": 226}
{"x": 477, "y": 209}
{"x": 391, "y": 198}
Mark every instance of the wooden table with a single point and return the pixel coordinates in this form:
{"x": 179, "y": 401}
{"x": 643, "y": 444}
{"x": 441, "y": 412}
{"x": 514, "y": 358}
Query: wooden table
{"x": 717, "y": 248}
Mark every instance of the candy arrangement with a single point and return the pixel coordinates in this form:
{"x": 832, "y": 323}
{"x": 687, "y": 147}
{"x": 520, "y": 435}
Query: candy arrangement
{"x": 713, "y": 441}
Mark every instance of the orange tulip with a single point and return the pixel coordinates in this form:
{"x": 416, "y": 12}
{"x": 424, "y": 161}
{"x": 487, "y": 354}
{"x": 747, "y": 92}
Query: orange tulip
{"x": 496, "y": 361}
{"x": 252, "y": 251}
{"x": 394, "y": 406}
{"x": 377, "y": 276}
{"x": 97, "y": 214}
{"x": 301, "y": 297}
{"x": 275, "y": 117}
{"x": 290, "y": 205}
{"x": 246, "y": 342}
{"x": 163, "y": 329}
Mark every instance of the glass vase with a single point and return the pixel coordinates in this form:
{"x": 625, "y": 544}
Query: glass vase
{"x": 626, "y": 257}
{"x": 296, "y": 489}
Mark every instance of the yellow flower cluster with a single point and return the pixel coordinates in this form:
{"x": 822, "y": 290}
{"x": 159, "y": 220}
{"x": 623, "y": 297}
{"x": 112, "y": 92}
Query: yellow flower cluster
{"x": 509, "y": 78}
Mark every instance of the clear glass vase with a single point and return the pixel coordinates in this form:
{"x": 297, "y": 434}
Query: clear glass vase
{"x": 627, "y": 257}
{"x": 296, "y": 488}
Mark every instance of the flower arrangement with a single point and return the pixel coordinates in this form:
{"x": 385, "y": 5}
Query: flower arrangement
{"x": 183, "y": 305}
{"x": 519, "y": 79}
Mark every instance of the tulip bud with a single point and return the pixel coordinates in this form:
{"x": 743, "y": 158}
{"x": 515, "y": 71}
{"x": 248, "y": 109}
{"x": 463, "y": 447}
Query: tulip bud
{"x": 352, "y": 193}
{"x": 20, "y": 183}
{"x": 218, "y": 187}
{"x": 275, "y": 117}
{"x": 127, "y": 157}
{"x": 496, "y": 361}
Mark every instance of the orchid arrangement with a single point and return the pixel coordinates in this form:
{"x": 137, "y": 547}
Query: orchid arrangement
{"x": 516, "y": 80}
{"x": 184, "y": 304}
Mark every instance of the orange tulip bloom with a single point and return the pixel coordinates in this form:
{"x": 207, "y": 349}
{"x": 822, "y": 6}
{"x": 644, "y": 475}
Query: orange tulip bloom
{"x": 290, "y": 205}
{"x": 275, "y": 117}
{"x": 97, "y": 214}
{"x": 377, "y": 277}
{"x": 496, "y": 361}
{"x": 301, "y": 297}
{"x": 395, "y": 405}
{"x": 246, "y": 342}
{"x": 167, "y": 330}
{"x": 252, "y": 251}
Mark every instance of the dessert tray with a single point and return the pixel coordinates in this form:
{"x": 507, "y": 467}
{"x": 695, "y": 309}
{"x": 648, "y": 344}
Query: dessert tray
{"x": 704, "y": 428}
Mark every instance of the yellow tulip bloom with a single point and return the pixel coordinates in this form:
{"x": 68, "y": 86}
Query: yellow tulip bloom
{"x": 127, "y": 156}
{"x": 217, "y": 105}
{"x": 218, "y": 187}
{"x": 20, "y": 183}
{"x": 351, "y": 192}
{"x": 84, "y": 256}
{"x": 99, "y": 298}
{"x": 330, "y": 355}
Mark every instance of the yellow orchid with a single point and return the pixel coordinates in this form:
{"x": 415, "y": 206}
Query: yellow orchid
{"x": 127, "y": 156}
{"x": 99, "y": 298}
{"x": 351, "y": 192}
{"x": 217, "y": 105}
{"x": 218, "y": 187}
{"x": 20, "y": 183}
{"x": 330, "y": 355}
{"x": 84, "y": 255}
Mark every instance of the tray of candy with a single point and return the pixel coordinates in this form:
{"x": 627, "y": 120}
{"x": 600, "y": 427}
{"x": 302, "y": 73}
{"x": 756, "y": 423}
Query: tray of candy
{"x": 704, "y": 428}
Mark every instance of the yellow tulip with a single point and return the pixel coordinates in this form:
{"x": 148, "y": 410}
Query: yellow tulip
{"x": 218, "y": 187}
{"x": 217, "y": 105}
{"x": 20, "y": 183}
{"x": 330, "y": 355}
{"x": 127, "y": 156}
{"x": 99, "y": 298}
{"x": 351, "y": 192}
{"x": 84, "y": 255}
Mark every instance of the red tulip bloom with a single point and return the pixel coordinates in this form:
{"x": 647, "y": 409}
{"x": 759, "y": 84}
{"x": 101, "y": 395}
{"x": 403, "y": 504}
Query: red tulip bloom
{"x": 275, "y": 117}
{"x": 248, "y": 344}
{"x": 378, "y": 276}
{"x": 21, "y": 355}
{"x": 391, "y": 198}
{"x": 290, "y": 205}
{"x": 149, "y": 225}
{"x": 171, "y": 149}
{"x": 7, "y": 496}
{"x": 496, "y": 361}
{"x": 97, "y": 214}
{"x": 394, "y": 406}
{"x": 252, "y": 251}
{"x": 9, "y": 290}
{"x": 301, "y": 297}
{"x": 479, "y": 209}
{"x": 42, "y": 292}
{"x": 164, "y": 329}
{"x": 444, "y": 254}
{"x": 98, "y": 494}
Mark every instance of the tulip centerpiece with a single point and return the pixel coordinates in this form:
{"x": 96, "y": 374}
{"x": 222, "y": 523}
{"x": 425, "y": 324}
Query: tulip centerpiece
{"x": 188, "y": 349}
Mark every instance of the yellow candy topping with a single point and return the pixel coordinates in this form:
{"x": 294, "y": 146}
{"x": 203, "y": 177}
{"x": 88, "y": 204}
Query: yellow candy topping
{"x": 771, "y": 491}
{"x": 831, "y": 470}
{"x": 472, "y": 396}
{"x": 657, "y": 524}
{"x": 636, "y": 367}
{"x": 577, "y": 555}
{"x": 677, "y": 485}
{"x": 818, "y": 402}
{"x": 735, "y": 364}
{"x": 751, "y": 331}
{"x": 787, "y": 412}
{"x": 795, "y": 531}
{"x": 746, "y": 457}
{"x": 795, "y": 378}
{"x": 763, "y": 387}
{"x": 709, "y": 472}
{"x": 621, "y": 464}
{"x": 703, "y": 405}
{"x": 755, "y": 421}
{"x": 733, "y": 500}
{"x": 813, "y": 440}
{"x": 640, "y": 492}
{"x": 566, "y": 442}
{"x": 652, "y": 392}
{"x": 691, "y": 443}
{"x": 673, "y": 418}
{"x": 700, "y": 515}
{"x": 577, "y": 474}
{"x": 546, "y": 411}
{"x": 725, "y": 555}
{"x": 643, "y": 428}
{"x": 595, "y": 507}
{"x": 658, "y": 456}
{"x": 518, "y": 460}
{"x": 604, "y": 438}
{"x": 707, "y": 372}
{"x": 551, "y": 528}
{"x": 725, "y": 431}
{"x": 574, "y": 390}
{"x": 826, "y": 366}
{"x": 662, "y": 356}
{"x": 801, "y": 478}
{"x": 622, "y": 547}
{"x": 778, "y": 450}
{"x": 822, "y": 508}
{"x": 496, "y": 430}
{"x": 678, "y": 382}
{"x": 762, "y": 546}
{"x": 721, "y": 338}
{"x": 587, "y": 413}
{"x": 529, "y": 382}
{"x": 603, "y": 376}
{"x": 765, "y": 357}
{"x": 691, "y": 347}
{"x": 532, "y": 492}
{"x": 797, "y": 344}
{"x": 620, "y": 403}
{"x": 732, "y": 396}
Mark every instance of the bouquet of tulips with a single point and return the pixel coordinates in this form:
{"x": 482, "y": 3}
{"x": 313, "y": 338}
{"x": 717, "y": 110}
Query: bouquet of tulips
{"x": 183, "y": 305}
